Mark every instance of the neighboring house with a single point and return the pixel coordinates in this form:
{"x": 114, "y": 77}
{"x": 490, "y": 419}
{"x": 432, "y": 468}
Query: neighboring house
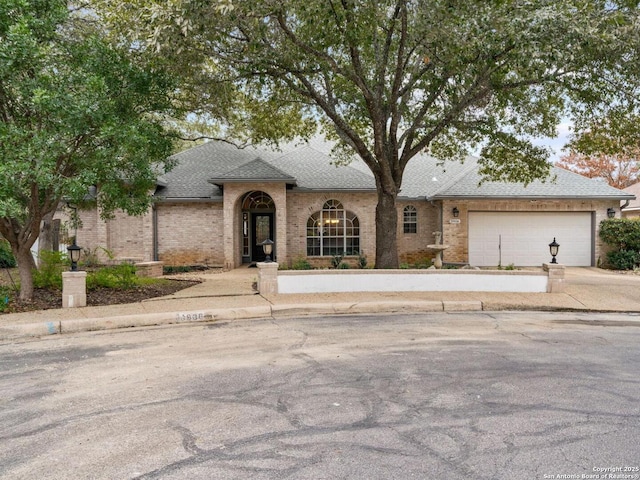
{"x": 219, "y": 203}
{"x": 631, "y": 209}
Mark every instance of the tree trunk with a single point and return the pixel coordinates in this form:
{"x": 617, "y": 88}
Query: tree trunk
{"x": 26, "y": 266}
{"x": 386, "y": 230}
{"x": 46, "y": 238}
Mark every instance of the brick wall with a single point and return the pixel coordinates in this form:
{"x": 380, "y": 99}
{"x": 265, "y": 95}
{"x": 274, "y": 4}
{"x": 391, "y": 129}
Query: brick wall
{"x": 190, "y": 233}
{"x": 412, "y": 247}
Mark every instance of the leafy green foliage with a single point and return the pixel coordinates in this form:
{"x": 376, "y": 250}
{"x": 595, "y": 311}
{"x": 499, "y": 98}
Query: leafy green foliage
{"x": 624, "y": 235}
{"x": 5, "y": 297}
{"x": 7, "y": 259}
{"x": 49, "y": 272}
{"x": 336, "y": 260}
{"x": 121, "y": 276}
{"x": 623, "y": 259}
{"x": 75, "y": 111}
{"x": 621, "y": 233}
{"x": 301, "y": 263}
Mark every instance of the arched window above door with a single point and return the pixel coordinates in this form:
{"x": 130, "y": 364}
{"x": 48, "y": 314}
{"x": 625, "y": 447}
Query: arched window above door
{"x": 258, "y": 200}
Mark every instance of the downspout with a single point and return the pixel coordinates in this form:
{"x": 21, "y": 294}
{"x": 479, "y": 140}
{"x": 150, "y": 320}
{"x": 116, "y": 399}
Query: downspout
{"x": 626, "y": 204}
{"x": 154, "y": 220}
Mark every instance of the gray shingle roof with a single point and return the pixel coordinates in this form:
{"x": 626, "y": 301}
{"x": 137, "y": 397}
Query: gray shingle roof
{"x": 561, "y": 184}
{"x": 255, "y": 171}
{"x": 309, "y": 169}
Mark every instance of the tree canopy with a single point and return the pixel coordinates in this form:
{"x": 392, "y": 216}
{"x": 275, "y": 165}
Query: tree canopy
{"x": 74, "y": 112}
{"x": 393, "y": 78}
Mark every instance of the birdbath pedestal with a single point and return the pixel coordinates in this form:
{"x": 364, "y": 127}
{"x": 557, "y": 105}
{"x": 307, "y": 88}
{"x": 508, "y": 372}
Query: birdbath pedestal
{"x": 439, "y": 249}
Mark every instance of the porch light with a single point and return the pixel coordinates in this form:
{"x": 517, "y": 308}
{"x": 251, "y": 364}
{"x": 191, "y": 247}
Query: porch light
{"x": 267, "y": 248}
{"x": 456, "y": 212}
{"x": 553, "y": 249}
{"x": 74, "y": 255}
{"x": 611, "y": 212}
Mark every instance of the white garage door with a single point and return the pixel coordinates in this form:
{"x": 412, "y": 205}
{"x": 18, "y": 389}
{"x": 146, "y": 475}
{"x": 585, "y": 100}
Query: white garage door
{"x": 523, "y": 238}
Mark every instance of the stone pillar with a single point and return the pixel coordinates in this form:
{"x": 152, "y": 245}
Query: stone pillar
{"x": 74, "y": 289}
{"x": 267, "y": 278}
{"x": 555, "y": 281}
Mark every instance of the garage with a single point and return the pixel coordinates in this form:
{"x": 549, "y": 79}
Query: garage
{"x": 522, "y": 238}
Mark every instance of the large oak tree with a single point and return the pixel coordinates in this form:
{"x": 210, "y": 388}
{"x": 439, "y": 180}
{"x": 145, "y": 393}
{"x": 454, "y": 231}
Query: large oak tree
{"x": 74, "y": 112}
{"x": 389, "y": 79}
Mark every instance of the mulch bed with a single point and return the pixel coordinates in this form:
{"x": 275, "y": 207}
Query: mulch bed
{"x": 44, "y": 299}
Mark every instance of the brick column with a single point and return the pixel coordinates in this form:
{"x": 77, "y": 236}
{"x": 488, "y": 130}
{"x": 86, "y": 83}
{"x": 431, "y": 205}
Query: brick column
{"x": 555, "y": 272}
{"x": 267, "y": 278}
{"x": 74, "y": 289}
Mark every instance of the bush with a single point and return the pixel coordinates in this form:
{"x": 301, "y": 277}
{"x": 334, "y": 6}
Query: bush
{"x": 343, "y": 266}
{"x": 623, "y": 259}
{"x": 301, "y": 264}
{"x": 621, "y": 233}
{"x": 49, "y": 272}
{"x": 121, "y": 276}
{"x": 7, "y": 259}
{"x": 5, "y": 296}
{"x": 336, "y": 260}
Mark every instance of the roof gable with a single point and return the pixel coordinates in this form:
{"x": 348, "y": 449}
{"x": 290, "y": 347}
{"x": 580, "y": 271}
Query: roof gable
{"x": 254, "y": 171}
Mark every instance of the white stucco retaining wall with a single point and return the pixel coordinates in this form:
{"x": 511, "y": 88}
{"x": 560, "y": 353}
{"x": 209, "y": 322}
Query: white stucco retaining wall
{"x": 328, "y": 281}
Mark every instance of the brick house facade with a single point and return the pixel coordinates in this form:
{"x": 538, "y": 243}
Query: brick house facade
{"x": 219, "y": 202}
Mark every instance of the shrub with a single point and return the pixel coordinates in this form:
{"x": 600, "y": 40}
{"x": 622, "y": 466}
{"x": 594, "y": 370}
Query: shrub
{"x": 362, "y": 260}
{"x": 5, "y": 296}
{"x": 621, "y": 233}
{"x": 343, "y": 266}
{"x": 7, "y": 259}
{"x": 301, "y": 264}
{"x": 336, "y": 260}
{"x": 49, "y": 272}
{"x": 121, "y": 276}
{"x": 623, "y": 259}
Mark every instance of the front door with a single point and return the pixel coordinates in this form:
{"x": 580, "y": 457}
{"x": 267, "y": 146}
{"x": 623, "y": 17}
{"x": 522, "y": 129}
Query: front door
{"x": 262, "y": 229}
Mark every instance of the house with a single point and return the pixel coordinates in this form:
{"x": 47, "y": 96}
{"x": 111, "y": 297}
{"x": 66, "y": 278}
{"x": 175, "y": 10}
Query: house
{"x": 631, "y": 208}
{"x": 220, "y": 202}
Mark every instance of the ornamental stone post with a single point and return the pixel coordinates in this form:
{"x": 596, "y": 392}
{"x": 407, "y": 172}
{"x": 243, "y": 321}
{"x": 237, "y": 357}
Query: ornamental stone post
{"x": 74, "y": 289}
{"x": 555, "y": 281}
{"x": 267, "y": 278}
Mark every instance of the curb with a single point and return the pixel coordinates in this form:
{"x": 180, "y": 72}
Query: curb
{"x": 41, "y": 329}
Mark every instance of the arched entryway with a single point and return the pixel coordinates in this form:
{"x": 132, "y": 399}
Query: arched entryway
{"x": 258, "y": 224}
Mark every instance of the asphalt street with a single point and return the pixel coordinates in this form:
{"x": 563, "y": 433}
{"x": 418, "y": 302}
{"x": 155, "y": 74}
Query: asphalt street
{"x": 495, "y": 395}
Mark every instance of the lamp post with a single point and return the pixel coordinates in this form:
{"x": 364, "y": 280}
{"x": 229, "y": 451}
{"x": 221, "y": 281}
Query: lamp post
{"x": 553, "y": 249}
{"x": 74, "y": 254}
{"x": 267, "y": 248}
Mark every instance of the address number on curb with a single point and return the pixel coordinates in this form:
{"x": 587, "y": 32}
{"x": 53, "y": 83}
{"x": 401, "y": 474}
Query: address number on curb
{"x": 193, "y": 317}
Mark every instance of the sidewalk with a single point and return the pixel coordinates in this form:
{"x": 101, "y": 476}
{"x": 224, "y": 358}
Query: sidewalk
{"x": 229, "y": 296}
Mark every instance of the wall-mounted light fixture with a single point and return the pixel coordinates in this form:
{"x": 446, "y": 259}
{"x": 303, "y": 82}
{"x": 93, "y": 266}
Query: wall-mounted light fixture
{"x": 611, "y": 212}
{"x": 456, "y": 212}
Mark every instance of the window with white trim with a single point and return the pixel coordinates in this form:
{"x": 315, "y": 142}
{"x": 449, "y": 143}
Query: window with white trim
{"x": 333, "y": 231}
{"x": 410, "y": 219}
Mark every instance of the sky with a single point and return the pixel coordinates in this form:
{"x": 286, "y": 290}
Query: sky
{"x": 556, "y": 144}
